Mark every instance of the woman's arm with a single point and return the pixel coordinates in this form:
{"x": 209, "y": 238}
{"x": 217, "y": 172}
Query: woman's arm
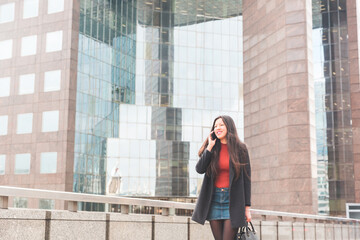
{"x": 203, "y": 162}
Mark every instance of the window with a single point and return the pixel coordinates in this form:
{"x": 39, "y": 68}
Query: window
{"x": 55, "y": 6}
{"x": 22, "y": 163}
{"x": 24, "y": 123}
{"x": 31, "y": 8}
{"x": 20, "y": 202}
{"x": 2, "y": 164}
{"x": 50, "y": 121}
{"x": 52, "y": 81}
{"x": 54, "y": 41}
{"x": 7, "y": 12}
{"x": 28, "y": 45}
{"x": 5, "y": 87}
{"x": 46, "y": 204}
{"x": 3, "y": 125}
{"x": 6, "y": 49}
{"x": 48, "y": 162}
{"x": 26, "y": 84}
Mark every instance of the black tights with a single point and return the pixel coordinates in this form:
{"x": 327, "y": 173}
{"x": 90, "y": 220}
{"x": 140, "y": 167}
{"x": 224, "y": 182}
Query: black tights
{"x": 221, "y": 229}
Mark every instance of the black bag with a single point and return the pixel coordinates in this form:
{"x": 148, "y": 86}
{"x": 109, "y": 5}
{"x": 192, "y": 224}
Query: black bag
{"x": 247, "y": 233}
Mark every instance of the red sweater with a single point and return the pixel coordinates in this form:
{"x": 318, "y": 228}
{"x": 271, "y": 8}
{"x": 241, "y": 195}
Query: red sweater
{"x": 222, "y": 178}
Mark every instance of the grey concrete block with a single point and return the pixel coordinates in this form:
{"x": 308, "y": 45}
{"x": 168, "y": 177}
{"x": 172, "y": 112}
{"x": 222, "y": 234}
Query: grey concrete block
{"x": 329, "y": 229}
{"x": 269, "y": 230}
{"x": 337, "y": 231}
{"x": 125, "y": 227}
{"x": 77, "y": 225}
{"x": 310, "y": 231}
{"x": 352, "y": 232}
{"x": 320, "y": 231}
{"x": 22, "y": 224}
{"x": 174, "y": 228}
{"x": 298, "y": 231}
{"x": 284, "y": 230}
{"x": 345, "y": 231}
{"x": 200, "y": 232}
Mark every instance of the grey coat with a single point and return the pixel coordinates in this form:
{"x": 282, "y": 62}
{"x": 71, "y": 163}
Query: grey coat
{"x": 240, "y": 192}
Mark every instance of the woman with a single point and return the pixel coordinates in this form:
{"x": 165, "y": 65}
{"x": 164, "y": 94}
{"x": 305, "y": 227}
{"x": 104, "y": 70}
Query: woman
{"x": 224, "y": 198}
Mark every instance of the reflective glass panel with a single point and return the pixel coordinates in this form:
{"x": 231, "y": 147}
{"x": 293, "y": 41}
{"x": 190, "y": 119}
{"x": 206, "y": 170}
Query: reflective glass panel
{"x": 28, "y": 45}
{"x": 50, "y": 121}
{"x": 31, "y": 8}
{"x": 46, "y": 204}
{"x": 20, "y": 202}
{"x": 2, "y": 164}
{"x": 22, "y": 163}
{"x": 6, "y": 49}
{"x": 55, "y": 6}
{"x": 7, "y": 12}
{"x": 52, "y": 80}
{"x": 3, "y": 125}
{"x": 5, "y": 87}
{"x": 26, "y": 84}
{"x": 48, "y": 162}
{"x": 24, "y": 123}
{"x": 54, "y": 41}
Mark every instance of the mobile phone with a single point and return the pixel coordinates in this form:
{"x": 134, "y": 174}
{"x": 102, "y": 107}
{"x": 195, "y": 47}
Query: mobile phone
{"x": 213, "y": 136}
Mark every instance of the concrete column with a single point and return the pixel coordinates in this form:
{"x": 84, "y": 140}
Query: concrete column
{"x": 279, "y": 104}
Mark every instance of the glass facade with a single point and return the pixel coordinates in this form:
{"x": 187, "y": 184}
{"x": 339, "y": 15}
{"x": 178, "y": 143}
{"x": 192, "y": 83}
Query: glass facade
{"x": 152, "y": 76}
{"x": 333, "y": 109}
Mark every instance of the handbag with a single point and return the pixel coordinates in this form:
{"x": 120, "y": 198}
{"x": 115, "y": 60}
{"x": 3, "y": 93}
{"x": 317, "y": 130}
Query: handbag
{"x": 247, "y": 233}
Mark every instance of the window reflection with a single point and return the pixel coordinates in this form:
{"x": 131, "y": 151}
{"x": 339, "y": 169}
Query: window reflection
{"x": 7, "y": 12}
{"x": 31, "y": 8}
{"x": 48, "y": 162}
{"x": 332, "y": 105}
{"x": 2, "y": 164}
{"x": 3, "y": 125}
{"x": 26, "y": 84}
{"x": 24, "y": 123}
{"x": 22, "y": 163}
{"x": 5, "y": 87}
{"x": 50, "y": 121}
{"x": 6, "y": 49}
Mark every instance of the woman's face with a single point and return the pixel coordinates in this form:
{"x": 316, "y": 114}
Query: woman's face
{"x": 220, "y": 129}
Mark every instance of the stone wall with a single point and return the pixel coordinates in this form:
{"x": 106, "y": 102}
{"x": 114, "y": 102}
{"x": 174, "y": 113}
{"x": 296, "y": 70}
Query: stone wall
{"x": 41, "y": 224}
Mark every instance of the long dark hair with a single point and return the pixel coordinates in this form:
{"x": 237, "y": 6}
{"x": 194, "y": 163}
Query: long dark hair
{"x": 237, "y": 149}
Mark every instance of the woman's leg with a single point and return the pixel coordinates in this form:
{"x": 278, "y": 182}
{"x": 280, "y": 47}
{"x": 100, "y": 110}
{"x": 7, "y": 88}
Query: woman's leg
{"x": 228, "y": 232}
{"x": 217, "y": 229}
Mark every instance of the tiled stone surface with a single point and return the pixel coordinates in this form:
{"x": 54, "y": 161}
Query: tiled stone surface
{"x": 279, "y": 104}
{"x": 269, "y": 230}
{"x": 320, "y": 231}
{"x": 124, "y": 227}
{"x": 285, "y": 230}
{"x": 200, "y": 232}
{"x": 310, "y": 231}
{"x": 174, "y": 228}
{"x": 40, "y": 101}
{"x": 80, "y": 225}
{"x": 353, "y": 43}
{"x": 22, "y": 224}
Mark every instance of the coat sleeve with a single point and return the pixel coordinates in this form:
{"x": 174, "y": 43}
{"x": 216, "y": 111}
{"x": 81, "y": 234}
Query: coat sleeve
{"x": 247, "y": 180}
{"x": 203, "y": 162}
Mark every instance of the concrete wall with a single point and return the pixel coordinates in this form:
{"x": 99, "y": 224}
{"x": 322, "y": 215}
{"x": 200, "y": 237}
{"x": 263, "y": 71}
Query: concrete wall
{"x": 41, "y": 224}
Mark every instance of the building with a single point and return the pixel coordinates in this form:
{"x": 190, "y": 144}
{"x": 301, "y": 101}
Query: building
{"x": 116, "y": 97}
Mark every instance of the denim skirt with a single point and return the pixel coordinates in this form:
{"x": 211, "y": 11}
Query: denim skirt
{"x": 219, "y": 208}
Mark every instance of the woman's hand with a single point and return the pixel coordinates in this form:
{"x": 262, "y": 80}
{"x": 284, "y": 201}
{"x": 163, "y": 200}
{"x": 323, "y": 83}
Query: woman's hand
{"x": 211, "y": 142}
{"x": 247, "y": 214}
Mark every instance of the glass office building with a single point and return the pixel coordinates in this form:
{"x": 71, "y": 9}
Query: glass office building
{"x": 333, "y": 106}
{"x": 152, "y": 76}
